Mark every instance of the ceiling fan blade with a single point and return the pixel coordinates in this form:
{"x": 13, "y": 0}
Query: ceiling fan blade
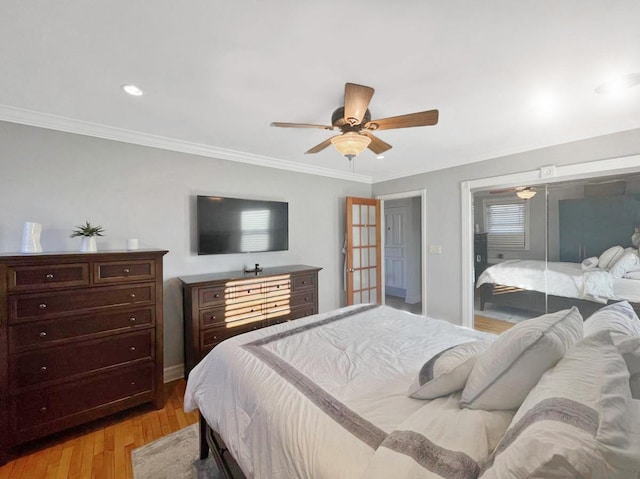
{"x": 356, "y": 102}
{"x": 320, "y": 146}
{"x": 377, "y": 145}
{"x": 300, "y": 125}
{"x": 423, "y": 118}
{"x": 505, "y": 190}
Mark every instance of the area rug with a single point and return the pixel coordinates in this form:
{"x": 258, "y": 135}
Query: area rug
{"x": 506, "y": 313}
{"x": 173, "y": 457}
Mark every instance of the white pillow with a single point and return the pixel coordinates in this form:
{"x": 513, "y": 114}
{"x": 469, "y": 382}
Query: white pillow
{"x": 589, "y": 263}
{"x": 512, "y": 365}
{"x": 447, "y": 371}
{"x": 619, "y": 318}
{"x": 629, "y": 347}
{"x": 609, "y": 256}
{"x": 626, "y": 263}
{"x": 578, "y": 422}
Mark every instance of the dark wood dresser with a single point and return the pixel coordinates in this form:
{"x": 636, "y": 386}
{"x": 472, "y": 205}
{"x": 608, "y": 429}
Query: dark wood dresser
{"x": 221, "y": 305}
{"x": 480, "y": 252}
{"x": 80, "y": 338}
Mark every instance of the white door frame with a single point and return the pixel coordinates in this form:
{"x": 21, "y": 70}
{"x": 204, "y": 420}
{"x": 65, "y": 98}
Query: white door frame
{"x": 545, "y": 174}
{"x": 422, "y": 193}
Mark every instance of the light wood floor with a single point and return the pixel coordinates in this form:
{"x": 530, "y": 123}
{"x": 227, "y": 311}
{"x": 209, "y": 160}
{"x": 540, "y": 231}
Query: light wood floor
{"x": 489, "y": 325}
{"x": 101, "y": 450}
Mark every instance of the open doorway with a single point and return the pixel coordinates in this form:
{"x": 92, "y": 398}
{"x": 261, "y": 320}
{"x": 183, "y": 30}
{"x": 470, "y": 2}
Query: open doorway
{"x": 403, "y": 246}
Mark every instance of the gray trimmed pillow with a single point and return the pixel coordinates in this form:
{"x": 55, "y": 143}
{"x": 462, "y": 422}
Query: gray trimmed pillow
{"x": 619, "y": 318}
{"x": 610, "y": 256}
{"x": 578, "y": 422}
{"x": 447, "y": 371}
{"x": 512, "y": 365}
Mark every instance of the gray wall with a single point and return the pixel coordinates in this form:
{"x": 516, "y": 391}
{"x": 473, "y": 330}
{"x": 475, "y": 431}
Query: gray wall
{"x": 61, "y": 179}
{"x": 444, "y": 210}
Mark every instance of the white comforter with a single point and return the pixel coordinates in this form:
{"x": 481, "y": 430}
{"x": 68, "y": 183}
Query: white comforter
{"x": 316, "y": 397}
{"x": 555, "y": 278}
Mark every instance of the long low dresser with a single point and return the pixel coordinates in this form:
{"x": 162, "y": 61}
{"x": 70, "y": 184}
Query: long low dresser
{"x": 221, "y": 305}
{"x": 80, "y": 338}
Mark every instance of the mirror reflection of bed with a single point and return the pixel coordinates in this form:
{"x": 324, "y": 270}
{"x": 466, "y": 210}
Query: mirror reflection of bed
{"x": 572, "y": 243}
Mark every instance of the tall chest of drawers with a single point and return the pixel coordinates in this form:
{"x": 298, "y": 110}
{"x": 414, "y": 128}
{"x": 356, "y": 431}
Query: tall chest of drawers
{"x": 80, "y": 338}
{"x": 221, "y": 305}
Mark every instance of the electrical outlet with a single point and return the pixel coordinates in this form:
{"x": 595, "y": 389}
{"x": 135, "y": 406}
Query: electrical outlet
{"x": 435, "y": 249}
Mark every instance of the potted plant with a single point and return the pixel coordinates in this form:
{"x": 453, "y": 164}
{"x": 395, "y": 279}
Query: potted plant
{"x": 88, "y": 234}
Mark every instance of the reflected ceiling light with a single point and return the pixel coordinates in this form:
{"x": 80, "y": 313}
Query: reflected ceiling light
{"x": 132, "y": 90}
{"x": 620, "y": 83}
{"x": 380, "y": 157}
{"x": 350, "y": 144}
{"x": 526, "y": 194}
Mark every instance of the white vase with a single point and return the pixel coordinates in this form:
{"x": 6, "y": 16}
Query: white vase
{"x": 31, "y": 238}
{"x": 88, "y": 244}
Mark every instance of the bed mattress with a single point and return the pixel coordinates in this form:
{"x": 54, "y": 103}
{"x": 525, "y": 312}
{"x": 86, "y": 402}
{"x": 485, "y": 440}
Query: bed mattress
{"x": 315, "y": 397}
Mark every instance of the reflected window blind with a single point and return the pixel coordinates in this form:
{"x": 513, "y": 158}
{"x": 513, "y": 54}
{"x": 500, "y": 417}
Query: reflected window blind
{"x": 506, "y": 223}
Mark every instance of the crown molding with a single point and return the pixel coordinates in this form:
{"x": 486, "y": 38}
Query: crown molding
{"x": 69, "y": 125}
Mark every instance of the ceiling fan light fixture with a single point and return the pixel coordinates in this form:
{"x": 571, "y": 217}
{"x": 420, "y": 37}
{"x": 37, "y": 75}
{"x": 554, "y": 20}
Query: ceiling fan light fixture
{"x": 350, "y": 144}
{"x": 526, "y": 194}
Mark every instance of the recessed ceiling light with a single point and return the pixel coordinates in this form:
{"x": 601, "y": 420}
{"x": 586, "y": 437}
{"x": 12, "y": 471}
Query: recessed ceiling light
{"x": 380, "y": 157}
{"x": 132, "y": 90}
{"x": 620, "y": 83}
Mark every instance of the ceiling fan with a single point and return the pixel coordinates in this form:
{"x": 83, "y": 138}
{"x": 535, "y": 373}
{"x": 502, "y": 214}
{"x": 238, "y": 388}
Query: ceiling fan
{"x": 354, "y": 121}
{"x": 523, "y": 192}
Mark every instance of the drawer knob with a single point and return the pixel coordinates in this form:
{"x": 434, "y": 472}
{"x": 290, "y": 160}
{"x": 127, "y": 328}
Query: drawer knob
{"x": 304, "y": 282}
{"x": 132, "y": 348}
{"x": 43, "y": 409}
{"x": 43, "y": 334}
{"x": 132, "y": 319}
{"x": 252, "y": 310}
{"x": 133, "y": 383}
{"x": 126, "y": 271}
{"x": 132, "y": 295}
{"x": 216, "y": 295}
{"x": 278, "y": 287}
{"x": 275, "y": 305}
{"x": 248, "y": 291}
{"x": 42, "y": 306}
{"x": 215, "y": 337}
{"x": 43, "y": 368}
{"x": 49, "y": 276}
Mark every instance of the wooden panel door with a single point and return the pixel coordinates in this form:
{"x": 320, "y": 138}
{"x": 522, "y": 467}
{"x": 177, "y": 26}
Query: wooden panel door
{"x": 363, "y": 251}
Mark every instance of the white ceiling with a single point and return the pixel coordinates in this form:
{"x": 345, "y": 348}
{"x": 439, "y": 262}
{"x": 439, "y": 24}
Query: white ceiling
{"x": 217, "y": 73}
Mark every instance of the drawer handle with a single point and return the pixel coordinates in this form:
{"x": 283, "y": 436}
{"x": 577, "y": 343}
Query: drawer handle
{"x": 43, "y": 334}
{"x": 132, "y": 348}
{"x": 306, "y": 299}
{"x": 215, "y": 337}
{"x": 304, "y": 282}
{"x": 126, "y": 271}
{"x": 42, "y": 306}
{"x": 133, "y": 383}
{"x": 43, "y": 409}
{"x": 43, "y": 368}
{"x": 132, "y": 319}
{"x": 275, "y": 305}
{"x": 49, "y": 276}
{"x": 252, "y": 310}
{"x": 248, "y": 291}
{"x": 132, "y": 295}
{"x": 216, "y": 295}
{"x": 278, "y": 287}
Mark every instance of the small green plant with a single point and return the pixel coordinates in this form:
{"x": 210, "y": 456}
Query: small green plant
{"x": 87, "y": 230}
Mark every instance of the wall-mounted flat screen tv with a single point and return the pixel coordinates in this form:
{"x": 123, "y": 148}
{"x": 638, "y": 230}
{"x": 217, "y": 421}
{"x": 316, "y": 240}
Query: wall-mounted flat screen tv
{"x": 234, "y": 225}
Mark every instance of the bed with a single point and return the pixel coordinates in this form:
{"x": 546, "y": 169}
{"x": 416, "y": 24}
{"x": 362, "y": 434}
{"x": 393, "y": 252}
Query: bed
{"x": 541, "y": 287}
{"x": 326, "y": 397}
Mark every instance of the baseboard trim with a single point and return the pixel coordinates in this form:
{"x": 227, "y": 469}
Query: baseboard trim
{"x": 173, "y": 373}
